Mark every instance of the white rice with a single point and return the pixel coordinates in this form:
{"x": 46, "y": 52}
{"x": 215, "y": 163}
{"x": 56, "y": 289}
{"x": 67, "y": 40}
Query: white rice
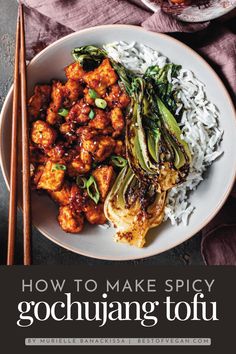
{"x": 199, "y": 121}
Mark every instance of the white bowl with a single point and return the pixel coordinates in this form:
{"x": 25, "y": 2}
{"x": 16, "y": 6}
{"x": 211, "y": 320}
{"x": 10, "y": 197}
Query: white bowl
{"x": 195, "y": 13}
{"x": 95, "y": 241}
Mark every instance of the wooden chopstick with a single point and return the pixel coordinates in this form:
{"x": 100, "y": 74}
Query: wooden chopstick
{"x": 12, "y": 216}
{"x": 20, "y": 85}
{"x": 25, "y": 149}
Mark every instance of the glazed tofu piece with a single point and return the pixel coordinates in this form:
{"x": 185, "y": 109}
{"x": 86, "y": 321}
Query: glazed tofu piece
{"x": 56, "y": 152}
{"x": 95, "y": 214}
{"x": 42, "y": 134}
{"x": 39, "y": 102}
{"x": 77, "y": 199}
{"x": 87, "y": 98}
{"x": 104, "y": 148}
{"x": 69, "y": 221}
{"x": 52, "y": 177}
{"x": 117, "y": 97}
{"x": 117, "y": 120}
{"x": 87, "y": 137}
{"x": 65, "y": 128}
{"x": 72, "y": 90}
{"x": 101, "y": 119}
{"x": 62, "y": 197}
{"x": 101, "y": 78}
{"x": 104, "y": 176}
{"x": 98, "y": 145}
{"x": 120, "y": 148}
{"x": 80, "y": 165}
{"x": 79, "y": 113}
{"x": 56, "y": 102}
{"x": 37, "y": 173}
{"x": 74, "y": 71}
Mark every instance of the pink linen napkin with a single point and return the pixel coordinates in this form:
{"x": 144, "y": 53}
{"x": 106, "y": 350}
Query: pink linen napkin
{"x": 46, "y": 21}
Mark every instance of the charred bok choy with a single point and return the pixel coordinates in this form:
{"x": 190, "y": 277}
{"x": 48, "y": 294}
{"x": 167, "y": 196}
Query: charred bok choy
{"x": 133, "y": 208}
{"x": 158, "y": 157}
{"x": 156, "y": 152}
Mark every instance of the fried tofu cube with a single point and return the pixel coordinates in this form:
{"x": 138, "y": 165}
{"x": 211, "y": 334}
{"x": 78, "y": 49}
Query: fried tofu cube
{"x": 79, "y": 164}
{"x": 104, "y": 176}
{"x": 117, "y": 97}
{"x": 72, "y": 90}
{"x": 101, "y": 119}
{"x": 68, "y": 129}
{"x": 98, "y": 145}
{"x": 42, "y": 134}
{"x": 77, "y": 198}
{"x": 62, "y": 197}
{"x": 95, "y": 213}
{"x": 117, "y": 119}
{"x": 39, "y": 101}
{"x": 104, "y": 147}
{"x": 56, "y": 152}
{"x": 120, "y": 148}
{"x": 56, "y": 102}
{"x": 79, "y": 113}
{"x": 65, "y": 128}
{"x": 37, "y": 175}
{"x": 88, "y": 137}
{"x": 52, "y": 178}
{"x": 74, "y": 71}
{"x": 87, "y": 98}
{"x": 101, "y": 78}
{"x": 69, "y": 221}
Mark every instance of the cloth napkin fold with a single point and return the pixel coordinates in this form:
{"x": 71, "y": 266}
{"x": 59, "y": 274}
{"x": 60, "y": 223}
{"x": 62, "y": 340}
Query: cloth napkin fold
{"x": 46, "y": 21}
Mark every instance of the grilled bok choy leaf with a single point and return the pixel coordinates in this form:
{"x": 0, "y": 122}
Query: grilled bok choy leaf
{"x": 88, "y": 56}
{"x": 163, "y": 88}
{"x": 156, "y": 152}
{"x": 133, "y": 208}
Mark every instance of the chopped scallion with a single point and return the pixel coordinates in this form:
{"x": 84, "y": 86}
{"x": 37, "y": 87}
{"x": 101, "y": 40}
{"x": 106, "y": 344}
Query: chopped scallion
{"x": 92, "y": 189}
{"x": 63, "y": 112}
{"x": 100, "y": 103}
{"x": 118, "y": 161}
{"x": 91, "y": 114}
{"x": 81, "y": 182}
{"x": 58, "y": 167}
{"x": 92, "y": 93}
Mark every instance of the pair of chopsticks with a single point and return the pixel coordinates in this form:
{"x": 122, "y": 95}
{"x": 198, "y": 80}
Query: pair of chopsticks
{"x": 19, "y": 109}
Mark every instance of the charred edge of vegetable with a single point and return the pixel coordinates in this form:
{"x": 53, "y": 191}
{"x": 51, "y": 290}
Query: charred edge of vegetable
{"x": 125, "y": 76}
{"x": 180, "y": 146}
{"x": 132, "y": 193}
{"x": 138, "y": 171}
{"x": 90, "y": 57}
{"x": 145, "y": 198}
{"x": 159, "y": 79}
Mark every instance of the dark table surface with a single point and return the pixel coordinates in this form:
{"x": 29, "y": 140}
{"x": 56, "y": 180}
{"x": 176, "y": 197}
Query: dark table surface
{"x": 44, "y": 251}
